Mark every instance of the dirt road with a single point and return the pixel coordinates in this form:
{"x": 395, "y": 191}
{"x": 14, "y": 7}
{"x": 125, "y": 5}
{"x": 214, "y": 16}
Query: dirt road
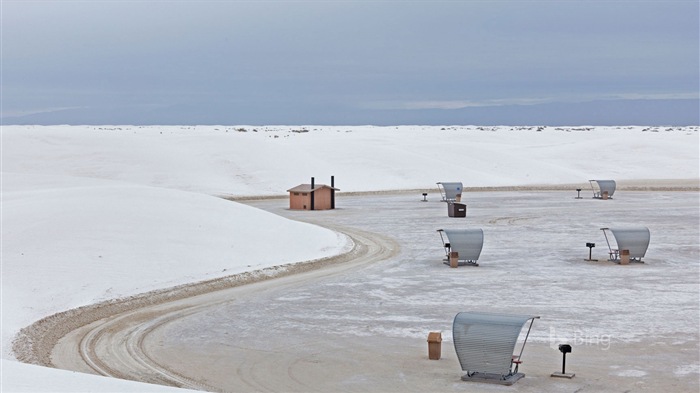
{"x": 108, "y": 338}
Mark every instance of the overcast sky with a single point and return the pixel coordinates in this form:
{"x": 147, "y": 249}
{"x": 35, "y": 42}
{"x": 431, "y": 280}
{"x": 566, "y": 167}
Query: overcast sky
{"x": 342, "y": 62}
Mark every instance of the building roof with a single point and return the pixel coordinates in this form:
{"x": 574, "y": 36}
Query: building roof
{"x": 307, "y": 188}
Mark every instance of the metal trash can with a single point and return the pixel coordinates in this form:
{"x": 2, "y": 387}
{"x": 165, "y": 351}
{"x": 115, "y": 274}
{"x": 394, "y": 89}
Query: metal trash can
{"x": 434, "y": 345}
{"x": 456, "y": 209}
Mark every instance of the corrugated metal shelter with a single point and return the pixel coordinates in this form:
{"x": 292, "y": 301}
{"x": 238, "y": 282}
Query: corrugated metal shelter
{"x": 485, "y": 345}
{"x": 636, "y": 240}
{"x": 468, "y": 243}
{"x": 450, "y": 191}
{"x": 605, "y": 189}
{"x": 312, "y": 196}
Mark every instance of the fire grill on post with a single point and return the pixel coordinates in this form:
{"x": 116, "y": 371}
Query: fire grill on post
{"x": 590, "y": 251}
{"x": 564, "y": 349}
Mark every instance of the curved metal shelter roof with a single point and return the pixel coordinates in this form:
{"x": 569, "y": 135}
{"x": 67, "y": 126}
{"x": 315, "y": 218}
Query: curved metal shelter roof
{"x": 450, "y": 190}
{"x": 467, "y": 242}
{"x": 603, "y": 186}
{"x": 485, "y": 342}
{"x": 636, "y": 240}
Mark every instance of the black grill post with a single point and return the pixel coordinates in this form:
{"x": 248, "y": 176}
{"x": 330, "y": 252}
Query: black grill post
{"x": 590, "y": 250}
{"x": 564, "y": 348}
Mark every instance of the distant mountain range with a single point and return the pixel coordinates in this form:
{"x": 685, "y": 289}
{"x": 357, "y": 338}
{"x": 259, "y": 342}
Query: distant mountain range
{"x": 673, "y": 112}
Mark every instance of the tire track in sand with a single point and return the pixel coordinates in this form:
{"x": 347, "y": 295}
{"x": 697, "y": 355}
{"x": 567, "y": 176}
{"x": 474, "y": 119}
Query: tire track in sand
{"x": 113, "y": 345}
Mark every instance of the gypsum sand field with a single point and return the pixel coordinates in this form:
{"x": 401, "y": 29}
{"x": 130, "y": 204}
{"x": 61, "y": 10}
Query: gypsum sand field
{"x": 365, "y": 329}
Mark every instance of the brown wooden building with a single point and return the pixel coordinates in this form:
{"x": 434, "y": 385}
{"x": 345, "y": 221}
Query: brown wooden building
{"x": 312, "y": 196}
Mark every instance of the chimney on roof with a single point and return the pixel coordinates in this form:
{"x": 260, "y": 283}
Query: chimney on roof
{"x": 332, "y": 192}
{"x": 312, "y": 194}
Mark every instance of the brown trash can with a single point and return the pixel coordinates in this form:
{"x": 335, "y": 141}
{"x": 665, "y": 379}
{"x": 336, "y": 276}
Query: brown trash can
{"x": 624, "y": 257}
{"x": 455, "y": 209}
{"x": 458, "y": 198}
{"x": 605, "y": 195}
{"x": 434, "y": 345}
{"x": 454, "y": 259}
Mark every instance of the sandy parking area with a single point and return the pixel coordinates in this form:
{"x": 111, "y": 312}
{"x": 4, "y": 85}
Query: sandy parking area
{"x": 362, "y": 325}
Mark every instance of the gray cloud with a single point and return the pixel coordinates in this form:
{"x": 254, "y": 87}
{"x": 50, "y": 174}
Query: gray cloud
{"x": 290, "y": 56}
